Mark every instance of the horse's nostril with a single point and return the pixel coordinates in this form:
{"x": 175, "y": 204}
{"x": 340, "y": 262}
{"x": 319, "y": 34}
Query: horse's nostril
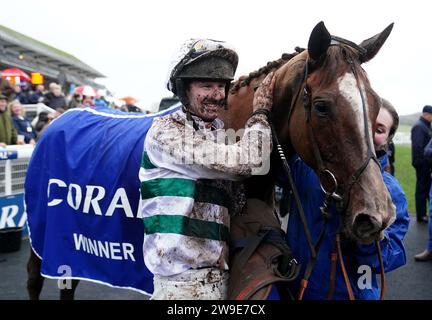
{"x": 365, "y": 224}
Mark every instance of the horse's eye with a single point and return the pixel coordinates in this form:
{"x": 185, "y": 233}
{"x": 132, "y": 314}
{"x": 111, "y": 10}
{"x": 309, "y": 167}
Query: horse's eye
{"x": 321, "y": 107}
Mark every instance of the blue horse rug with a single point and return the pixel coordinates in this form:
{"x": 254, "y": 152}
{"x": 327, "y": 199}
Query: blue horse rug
{"x": 82, "y": 197}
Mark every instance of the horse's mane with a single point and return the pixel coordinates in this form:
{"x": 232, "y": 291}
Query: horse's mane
{"x": 246, "y": 80}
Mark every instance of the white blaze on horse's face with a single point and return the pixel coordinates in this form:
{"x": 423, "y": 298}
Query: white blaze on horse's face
{"x": 370, "y": 209}
{"x": 351, "y": 92}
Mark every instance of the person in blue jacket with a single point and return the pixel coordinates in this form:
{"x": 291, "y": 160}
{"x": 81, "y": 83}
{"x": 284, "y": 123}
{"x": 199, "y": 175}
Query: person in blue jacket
{"x": 361, "y": 261}
{"x": 21, "y": 123}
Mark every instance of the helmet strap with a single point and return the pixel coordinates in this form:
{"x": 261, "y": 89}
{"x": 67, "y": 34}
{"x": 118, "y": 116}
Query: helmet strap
{"x": 185, "y": 109}
{"x": 180, "y": 90}
{"x": 189, "y": 117}
{"x": 181, "y": 94}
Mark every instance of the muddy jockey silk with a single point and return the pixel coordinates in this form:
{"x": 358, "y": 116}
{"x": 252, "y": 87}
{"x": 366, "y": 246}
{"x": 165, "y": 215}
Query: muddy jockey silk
{"x": 190, "y": 190}
{"x": 82, "y": 197}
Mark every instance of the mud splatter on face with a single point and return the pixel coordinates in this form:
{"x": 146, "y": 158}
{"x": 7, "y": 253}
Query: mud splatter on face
{"x": 206, "y": 98}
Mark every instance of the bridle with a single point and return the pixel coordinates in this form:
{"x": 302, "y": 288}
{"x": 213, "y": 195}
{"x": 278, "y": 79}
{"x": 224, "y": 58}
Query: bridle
{"x": 322, "y": 171}
{"x": 329, "y": 193}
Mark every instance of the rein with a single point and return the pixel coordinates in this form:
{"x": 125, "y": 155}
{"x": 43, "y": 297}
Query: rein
{"x": 329, "y": 194}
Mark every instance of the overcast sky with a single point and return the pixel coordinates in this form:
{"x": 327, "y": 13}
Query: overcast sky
{"x": 131, "y": 42}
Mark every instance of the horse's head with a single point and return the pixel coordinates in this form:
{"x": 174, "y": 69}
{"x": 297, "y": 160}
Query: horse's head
{"x": 324, "y": 107}
{"x": 330, "y": 125}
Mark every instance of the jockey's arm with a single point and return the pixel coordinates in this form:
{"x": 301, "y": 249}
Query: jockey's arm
{"x": 186, "y": 151}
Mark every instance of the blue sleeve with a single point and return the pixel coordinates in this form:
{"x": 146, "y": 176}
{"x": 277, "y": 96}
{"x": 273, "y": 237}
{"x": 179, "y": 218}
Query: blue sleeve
{"x": 392, "y": 247}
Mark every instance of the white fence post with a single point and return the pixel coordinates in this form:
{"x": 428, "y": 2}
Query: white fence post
{"x": 8, "y": 178}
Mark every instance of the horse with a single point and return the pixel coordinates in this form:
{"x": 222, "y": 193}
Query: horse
{"x": 317, "y": 90}
{"x": 324, "y": 109}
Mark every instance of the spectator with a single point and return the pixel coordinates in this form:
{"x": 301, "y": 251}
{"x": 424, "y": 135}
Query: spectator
{"x": 38, "y": 95}
{"x": 421, "y": 133}
{"x": 88, "y": 101}
{"x": 44, "y": 119}
{"x": 21, "y": 123}
{"x": 129, "y": 105}
{"x": 426, "y": 255}
{"x": 51, "y": 86}
{"x": 88, "y": 94}
{"x": 20, "y": 94}
{"x": 99, "y": 100}
{"x": 8, "y": 134}
{"x": 76, "y": 101}
{"x": 55, "y": 99}
{"x": 6, "y": 88}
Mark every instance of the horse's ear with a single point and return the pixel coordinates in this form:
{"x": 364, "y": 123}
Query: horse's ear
{"x": 319, "y": 41}
{"x": 374, "y": 44}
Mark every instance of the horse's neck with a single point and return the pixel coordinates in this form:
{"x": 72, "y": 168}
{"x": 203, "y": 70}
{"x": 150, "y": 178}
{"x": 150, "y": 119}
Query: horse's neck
{"x": 240, "y": 103}
{"x": 240, "y": 107}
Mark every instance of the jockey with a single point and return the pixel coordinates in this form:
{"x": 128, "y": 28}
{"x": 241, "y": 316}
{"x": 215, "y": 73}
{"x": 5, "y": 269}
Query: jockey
{"x": 361, "y": 261}
{"x": 187, "y": 192}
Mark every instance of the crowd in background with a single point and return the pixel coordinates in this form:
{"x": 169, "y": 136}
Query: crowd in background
{"x": 16, "y": 128}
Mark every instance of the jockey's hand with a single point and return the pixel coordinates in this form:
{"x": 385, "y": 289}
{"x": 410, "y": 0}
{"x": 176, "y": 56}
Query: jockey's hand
{"x": 263, "y": 98}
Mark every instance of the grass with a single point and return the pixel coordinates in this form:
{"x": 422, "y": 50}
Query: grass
{"x": 405, "y": 173}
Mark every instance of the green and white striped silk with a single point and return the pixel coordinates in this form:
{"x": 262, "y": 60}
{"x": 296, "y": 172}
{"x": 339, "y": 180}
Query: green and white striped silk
{"x": 186, "y": 221}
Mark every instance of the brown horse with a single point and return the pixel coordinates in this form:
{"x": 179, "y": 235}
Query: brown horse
{"x": 325, "y": 109}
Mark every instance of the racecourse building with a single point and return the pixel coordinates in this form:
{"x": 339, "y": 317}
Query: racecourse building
{"x": 30, "y": 55}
